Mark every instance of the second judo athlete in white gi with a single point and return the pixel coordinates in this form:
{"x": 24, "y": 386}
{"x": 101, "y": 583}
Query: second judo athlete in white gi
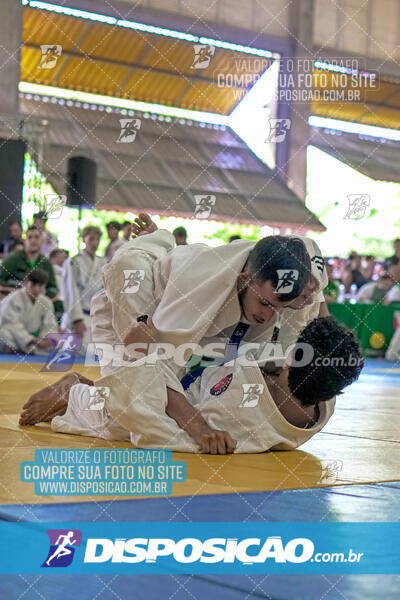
{"x": 251, "y": 412}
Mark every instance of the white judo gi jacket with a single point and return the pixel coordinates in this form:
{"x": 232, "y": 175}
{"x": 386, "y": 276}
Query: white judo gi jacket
{"x": 190, "y": 291}
{"x": 20, "y": 318}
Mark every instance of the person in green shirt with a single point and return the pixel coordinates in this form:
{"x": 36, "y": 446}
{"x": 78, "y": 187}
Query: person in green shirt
{"x": 17, "y": 265}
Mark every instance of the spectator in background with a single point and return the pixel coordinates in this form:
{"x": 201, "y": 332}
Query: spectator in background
{"x": 57, "y": 258}
{"x": 27, "y": 316}
{"x": 338, "y": 266}
{"x": 17, "y": 265}
{"x": 14, "y": 237}
{"x": 126, "y": 231}
{"x": 82, "y": 280}
{"x": 388, "y": 261}
{"x": 331, "y": 292}
{"x": 393, "y": 296}
{"x": 113, "y": 228}
{"x": 234, "y": 237}
{"x": 180, "y": 235}
{"x": 368, "y": 267}
{"x": 49, "y": 241}
{"x": 352, "y": 272}
{"x": 16, "y": 247}
{"x": 375, "y": 291}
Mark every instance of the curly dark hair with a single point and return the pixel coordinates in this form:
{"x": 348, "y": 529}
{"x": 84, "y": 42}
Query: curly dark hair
{"x": 337, "y": 361}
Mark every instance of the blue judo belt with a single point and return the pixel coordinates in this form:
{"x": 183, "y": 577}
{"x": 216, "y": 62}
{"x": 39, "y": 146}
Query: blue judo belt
{"x": 233, "y": 345}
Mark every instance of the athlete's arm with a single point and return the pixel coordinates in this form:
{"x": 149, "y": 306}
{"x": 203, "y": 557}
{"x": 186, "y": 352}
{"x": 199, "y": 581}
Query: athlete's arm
{"x": 210, "y": 440}
{"x": 323, "y": 310}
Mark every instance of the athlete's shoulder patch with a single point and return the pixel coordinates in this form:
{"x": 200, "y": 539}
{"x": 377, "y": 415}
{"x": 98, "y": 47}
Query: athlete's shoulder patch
{"x": 319, "y": 262}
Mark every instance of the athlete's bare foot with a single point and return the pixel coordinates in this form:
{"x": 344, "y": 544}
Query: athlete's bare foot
{"x": 143, "y": 225}
{"x": 51, "y": 400}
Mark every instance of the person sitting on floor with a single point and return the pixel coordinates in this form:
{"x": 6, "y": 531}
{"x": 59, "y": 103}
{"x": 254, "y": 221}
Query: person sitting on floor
{"x": 17, "y": 265}
{"x": 27, "y": 316}
{"x": 212, "y": 415}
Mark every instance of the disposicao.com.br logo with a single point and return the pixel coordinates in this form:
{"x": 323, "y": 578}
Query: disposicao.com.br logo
{"x": 188, "y": 550}
{"x": 62, "y": 547}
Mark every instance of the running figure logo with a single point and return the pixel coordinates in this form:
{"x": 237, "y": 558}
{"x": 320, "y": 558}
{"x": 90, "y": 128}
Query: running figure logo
{"x": 97, "y": 397}
{"x": 277, "y": 130}
{"x": 203, "y": 54}
{"x": 54, "y": 205}
{"x": 204, "y": 204}
{"x": 63, "y": 543}
{"x": 251, "y": 394}
{"x": 286, "y": 280}
{"x": 358, "y": 204}
{"x": 50, "y": 56}
{"x": 129, "y": 129}
{"x": 330, "y": 470}
{"x": 133, "y": 279}
{"x": 62, "y": 355}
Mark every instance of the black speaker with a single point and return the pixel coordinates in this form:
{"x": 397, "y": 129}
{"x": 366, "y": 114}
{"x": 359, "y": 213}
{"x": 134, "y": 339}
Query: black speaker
{"x": 81, "y": 186}
{"x": 12, "y": 155}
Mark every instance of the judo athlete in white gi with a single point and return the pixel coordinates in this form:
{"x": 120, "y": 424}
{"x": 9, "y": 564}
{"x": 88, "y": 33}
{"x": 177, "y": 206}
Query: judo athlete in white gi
{"x": 27, "y": 316}
{"x": 82, "y": 280}
{"x": 246, "y": 411}
{"x": 197, "y": 294}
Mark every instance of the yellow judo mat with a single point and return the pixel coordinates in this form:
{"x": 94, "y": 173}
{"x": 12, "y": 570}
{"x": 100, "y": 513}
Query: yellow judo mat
{"x": 359, "y": 445}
